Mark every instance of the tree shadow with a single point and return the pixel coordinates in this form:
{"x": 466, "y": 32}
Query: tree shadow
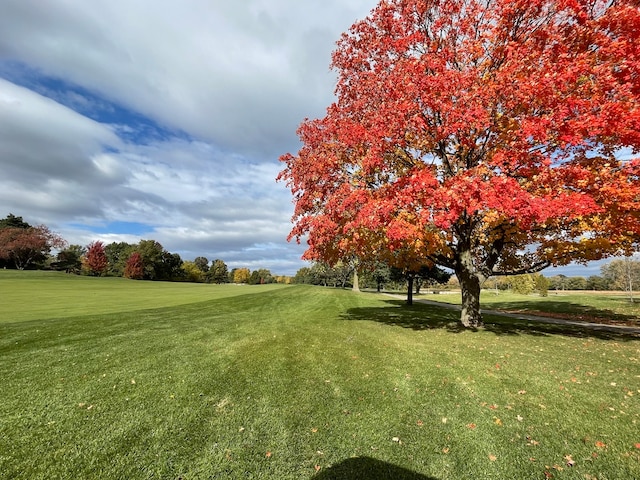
{"x": 574, "y": 310}
{"x": 365, "y": 468}
{"x": 416, "y": 317}
{"x": 429, "y": 317}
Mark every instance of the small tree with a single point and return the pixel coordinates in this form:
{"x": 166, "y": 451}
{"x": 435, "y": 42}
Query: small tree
{"x": 541, "y": 284}
{"x": 134, "y": 267}
{"x": 623, "y": 274}
{"x": 95, "y": 260}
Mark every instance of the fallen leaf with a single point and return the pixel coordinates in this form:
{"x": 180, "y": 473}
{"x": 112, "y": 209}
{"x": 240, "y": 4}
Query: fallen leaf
{"x": 396, "y": 439}
{"x": 519, "y": 418}
{"x": 444, "y": 419}
{"x": 317, "y": 468}
{"x": 314, "y": 430}
{"x": 497, "y": 421}
{"x": 570, "y": 461}
{"x": 471, "y": 426}
{"x": 493, "y": 458}
{"x": 601, "y": 444}
{"x": 637, "y": 445}
{"x": 521, "y": 392}
{"x": 133, "y": 381}
{"x": 419, "y": 423}
{"x": 548, "y": 474}
{"x": 445, "y": 450}
{"x": 268, "y": 454}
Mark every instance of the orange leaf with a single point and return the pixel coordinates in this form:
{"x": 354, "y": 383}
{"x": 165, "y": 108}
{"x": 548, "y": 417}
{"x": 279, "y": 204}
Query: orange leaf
{"x": 637, "y": 445}
{"x": 268, "y": 455}
{"x": 317, "y": 468}
{"x": 471, "y": 426}
{"x": 600, "y": 444}
{"x": 493, "y": 458}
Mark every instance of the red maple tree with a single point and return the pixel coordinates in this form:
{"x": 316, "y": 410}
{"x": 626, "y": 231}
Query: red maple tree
{"x": 134, "y": 267}
{"x": 489, "y": 137}
{"x": 95, "y": 260}
{"x": 26, "y": 246}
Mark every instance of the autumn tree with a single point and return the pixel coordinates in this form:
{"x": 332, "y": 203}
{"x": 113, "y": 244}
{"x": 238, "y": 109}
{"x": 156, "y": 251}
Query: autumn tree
{"x": 95, "y": 260}
{"x": 192, "y": 272}
{"x": 483, "y": 136}
{"x": 134, "y": 267}
{"x": 27, "y": 246}
{"x": 241, "y": 275}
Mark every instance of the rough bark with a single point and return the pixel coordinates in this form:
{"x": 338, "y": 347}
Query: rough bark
{"x": 470, "y": 282}
{"x": 410, "y": 290}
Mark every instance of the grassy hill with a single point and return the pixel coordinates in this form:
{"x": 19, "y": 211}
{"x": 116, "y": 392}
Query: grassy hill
{"x": 227, "y": 382}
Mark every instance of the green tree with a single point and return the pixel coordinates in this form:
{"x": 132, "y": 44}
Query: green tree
{"x": 69, "y": 259}
{"x": 522, "y": 284}
{"x": 218, "y": 273}
{"x": 423, "y": 274}
{"x": 192, "y": 272}
{"x": 13, "y": 222}
{"x": 596, "y": 282}
{"x": 577, "y": 283}
{"x": 202, "y": 263}
{"x": 541, "y": 284}
{"x": 623, "y": 274}
{"x": 117, "y": 255}
{"x": 260, "y": 277}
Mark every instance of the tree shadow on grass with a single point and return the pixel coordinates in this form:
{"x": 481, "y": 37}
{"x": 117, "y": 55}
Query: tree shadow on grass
{"x": 416, "y": 317}
{"x": 429, "y": 317}
{"x": 365, "y": 468}
{"x": 574, "y": 310}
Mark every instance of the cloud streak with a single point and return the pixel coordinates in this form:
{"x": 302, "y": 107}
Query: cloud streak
{"x": 167, "y": 117}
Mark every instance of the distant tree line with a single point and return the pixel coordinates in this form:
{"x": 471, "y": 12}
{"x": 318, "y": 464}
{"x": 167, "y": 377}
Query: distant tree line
{"x": 619, "y": 274}
{"x": 23, "y": 246}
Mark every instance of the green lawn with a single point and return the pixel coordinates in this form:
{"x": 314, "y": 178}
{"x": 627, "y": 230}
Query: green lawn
{"x": 596, "y": 307}
{"x": 296, "y": 382}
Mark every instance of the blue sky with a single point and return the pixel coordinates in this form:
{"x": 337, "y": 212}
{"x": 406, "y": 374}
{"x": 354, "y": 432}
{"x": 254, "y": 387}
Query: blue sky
{"x": 122, "y": 121}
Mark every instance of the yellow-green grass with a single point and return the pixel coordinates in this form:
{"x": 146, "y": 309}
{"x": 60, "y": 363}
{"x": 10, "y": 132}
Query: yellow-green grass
{"x": 30, "y": 295}
{"x": 312, "y": 383}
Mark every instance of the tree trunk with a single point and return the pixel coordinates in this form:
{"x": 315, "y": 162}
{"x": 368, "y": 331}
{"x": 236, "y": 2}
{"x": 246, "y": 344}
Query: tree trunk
{"x": 470, "y": 283}
{"x": 410, "y": 290}
{"x": 356, "y": 284}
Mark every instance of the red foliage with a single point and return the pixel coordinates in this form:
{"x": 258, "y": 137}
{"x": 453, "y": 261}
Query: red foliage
{"x": 24, "y": 246}
{"x": 95, "y": 259}
{"x": 485, "y": 137}
{"x": 134, "y": 268}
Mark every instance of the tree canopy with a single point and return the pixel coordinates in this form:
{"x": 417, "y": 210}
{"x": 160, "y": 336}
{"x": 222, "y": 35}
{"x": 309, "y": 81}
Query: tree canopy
{"x": 491, "y": 137}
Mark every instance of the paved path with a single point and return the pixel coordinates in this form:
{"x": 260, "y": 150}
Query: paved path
{"x": 533, "y": 318}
